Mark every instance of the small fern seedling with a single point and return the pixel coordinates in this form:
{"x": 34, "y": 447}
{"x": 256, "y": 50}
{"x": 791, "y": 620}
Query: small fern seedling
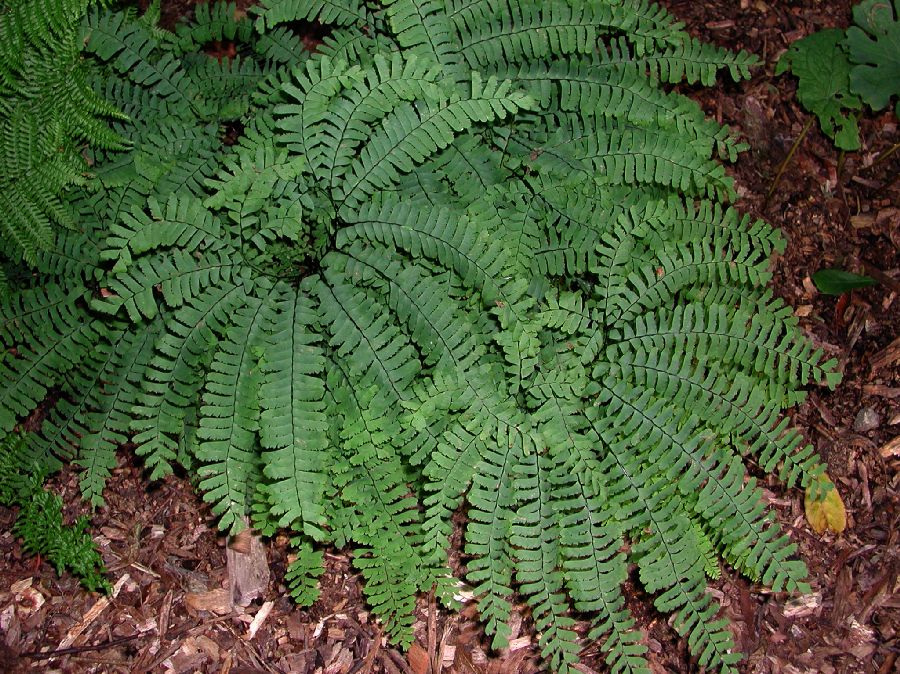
{"x": 39, "y": 522}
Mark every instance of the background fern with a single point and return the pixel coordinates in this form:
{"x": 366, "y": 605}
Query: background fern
{"x": 469, "y": 254}
{"x": 48, "y": 110}
{"x": 39, "y": 522}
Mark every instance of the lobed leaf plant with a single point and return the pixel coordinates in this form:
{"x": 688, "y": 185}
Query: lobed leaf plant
{"x": 467, "y": 256}
{"x": 837, "y": 71}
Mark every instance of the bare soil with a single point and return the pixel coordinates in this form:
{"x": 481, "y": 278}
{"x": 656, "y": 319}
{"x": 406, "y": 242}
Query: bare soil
{"x": 169, "y": 567}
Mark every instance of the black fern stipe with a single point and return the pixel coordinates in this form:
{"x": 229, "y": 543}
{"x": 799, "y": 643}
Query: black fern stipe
{"x": 467, "y": 255}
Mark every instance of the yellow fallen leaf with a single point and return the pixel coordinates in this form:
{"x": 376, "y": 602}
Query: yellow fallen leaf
{"x": 824, "y": 507}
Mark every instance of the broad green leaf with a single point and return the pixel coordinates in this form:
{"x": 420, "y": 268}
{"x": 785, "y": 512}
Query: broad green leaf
{"x": 874, "y": 46}
{"x": 838, "y": 281}
{"x": 822, "y": 70}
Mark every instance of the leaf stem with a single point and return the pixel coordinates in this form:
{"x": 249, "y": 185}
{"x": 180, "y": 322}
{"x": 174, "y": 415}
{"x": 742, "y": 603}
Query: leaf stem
{"x": 787, "y": 160}
{"x": 884, "y": 155}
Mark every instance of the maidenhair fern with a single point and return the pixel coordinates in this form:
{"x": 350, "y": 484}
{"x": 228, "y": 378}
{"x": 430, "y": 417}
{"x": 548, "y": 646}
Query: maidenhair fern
{"x": 468, "y": 255}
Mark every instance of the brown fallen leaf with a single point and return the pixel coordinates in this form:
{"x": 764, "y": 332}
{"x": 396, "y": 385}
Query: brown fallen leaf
{"x": 418, "y": 660}
{"x": 824, "y": 508}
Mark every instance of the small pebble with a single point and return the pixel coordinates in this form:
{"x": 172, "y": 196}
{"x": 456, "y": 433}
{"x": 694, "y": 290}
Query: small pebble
{"x": 866, "y": 420}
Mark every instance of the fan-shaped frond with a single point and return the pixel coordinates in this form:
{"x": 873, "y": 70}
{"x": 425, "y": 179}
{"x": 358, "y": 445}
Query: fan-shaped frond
{"x": 174, "y": 376}
{"x": 408, "y": 136}
{"x": 491, "y": 516}
{"x": 92, "y": 418}
{"x": 179, "y": 276}
{"x": 52, "y": 334}
{"x": 213, "y": 22}
{"x": 129, "y": 47}
{"x": 421, "y": 28}
{"x": 362, "y": 332}
{"x": 182, "y": 222}
{"x": 536, "y": 535}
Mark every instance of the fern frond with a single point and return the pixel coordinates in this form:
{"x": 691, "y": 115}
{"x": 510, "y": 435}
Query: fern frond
{"x": 47, "y": 109}
{"x": 449, "y": 471}
{"x": 228, "y": 84}
{"x": 381, "y": 513}
{"x": 491, "y": 516}
{"x": 536, "y": 538}
{"x": 467, "y": 167}
{"x": 387, "y": 571}
{"x": 229, "y": 418}
{"x": 292, "y": 417}
{"x": 213, "y": 21}
{"x": 590, "y": 537}
{"x": 362, "y": 332}
{"x": 75, "y": 255}
{"x": 271, "y": 13}
{"x": 444, "y": 336}
{"x": 381, "y": 89}
{"x": 421, "y": 28}
{"x": 182, "y": 222}
{"x": 302, "y": 576}
{"x": 671, "y": 552}
{"x": 92, "y": 419}
{"x": 179, "y": 276}
{"x": 174, "y": 376}
{"x": 280, "y": 45}
{"x": 693, "y": 61}
{"x": 668, "y": 558}
{"x": 496, "y": 32}
{"x": 637, "y": 157}
{"x": 355, "y": 46}
{"x": 409, "y": 136}
{"x": 40, "y": 519}
{"x": 318, "y": 83}
{"x": 52, "y": 334}
{"x": 440, "y": 234}
{"x": 129, "y": 48}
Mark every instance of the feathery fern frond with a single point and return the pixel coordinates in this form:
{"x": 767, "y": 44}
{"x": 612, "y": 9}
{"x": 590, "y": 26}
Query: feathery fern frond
{"x": 271, "y": 13}
{"x": 47, "y": 111}
{"x": 292, "y": 417}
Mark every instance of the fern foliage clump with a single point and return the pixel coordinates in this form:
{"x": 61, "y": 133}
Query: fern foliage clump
{"x": 39, "y": 522}
{"x": 48, "y": 110}
{"x": 467, "y": 255}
